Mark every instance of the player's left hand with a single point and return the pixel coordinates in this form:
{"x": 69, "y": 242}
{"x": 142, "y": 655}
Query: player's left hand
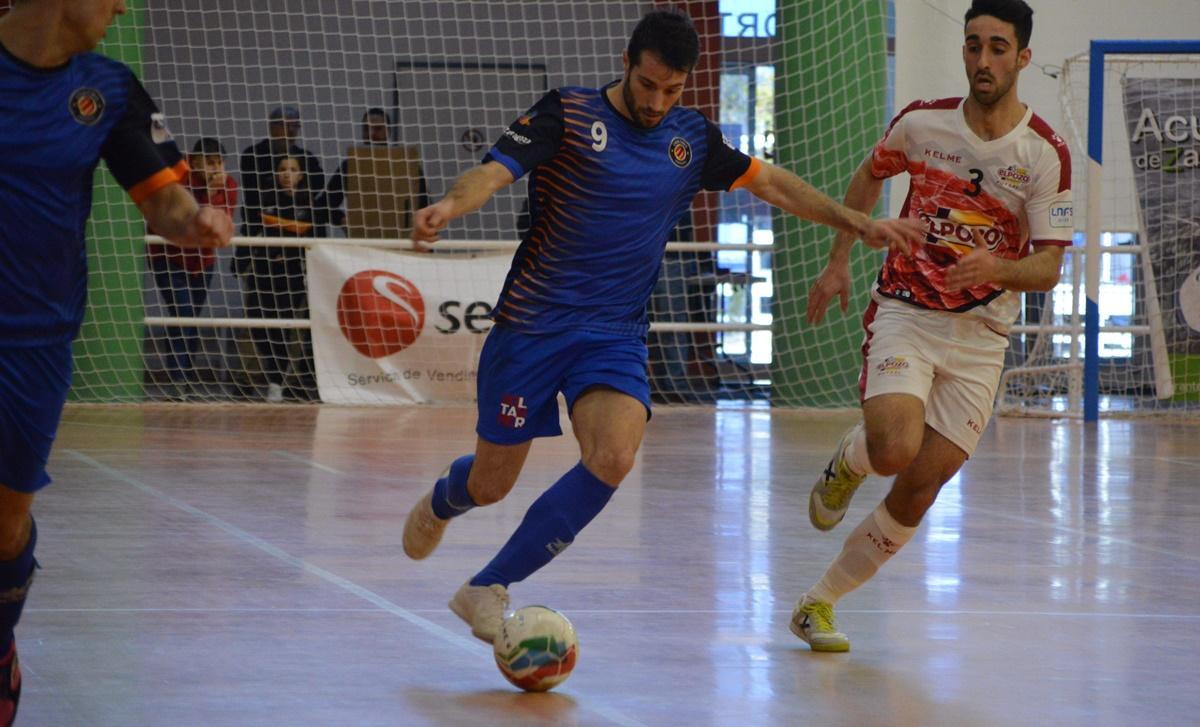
{"x": 975, "y": 268}
{"x": 899, "y": 235}
{"x": 210, "y": 227}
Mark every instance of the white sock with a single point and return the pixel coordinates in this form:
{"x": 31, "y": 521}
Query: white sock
{"x": 856, "y": 454}
{"x": 877, "y": 538}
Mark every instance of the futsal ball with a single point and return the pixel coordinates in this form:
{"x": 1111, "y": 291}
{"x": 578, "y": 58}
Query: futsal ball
{"x": 380, "y": 313}
{"x": 1189, "y": 300}
{"x": 536, "y": 648}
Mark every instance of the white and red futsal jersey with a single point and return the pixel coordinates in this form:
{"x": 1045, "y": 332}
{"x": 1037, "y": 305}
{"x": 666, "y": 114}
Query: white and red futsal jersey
{"x": 1016, "y": 190}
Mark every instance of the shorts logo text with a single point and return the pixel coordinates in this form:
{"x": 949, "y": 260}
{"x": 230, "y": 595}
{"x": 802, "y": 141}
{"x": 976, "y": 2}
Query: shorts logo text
{"x": 512, "y": 411}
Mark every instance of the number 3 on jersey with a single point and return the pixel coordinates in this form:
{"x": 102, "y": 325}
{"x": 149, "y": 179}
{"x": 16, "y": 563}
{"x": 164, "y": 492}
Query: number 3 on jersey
{"x": 599, "y": 135}
{"x": 976, "y": 178}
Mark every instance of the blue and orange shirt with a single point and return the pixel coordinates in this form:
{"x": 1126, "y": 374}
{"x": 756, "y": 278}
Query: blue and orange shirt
{"x": 604, "y": 195}
{"x": 55, "y": 126}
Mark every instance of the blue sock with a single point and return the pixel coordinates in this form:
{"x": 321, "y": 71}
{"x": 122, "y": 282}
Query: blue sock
{"x": 550, "y": 525}
{"x": 15, "y": 577}
{"x": 450, "y": 496}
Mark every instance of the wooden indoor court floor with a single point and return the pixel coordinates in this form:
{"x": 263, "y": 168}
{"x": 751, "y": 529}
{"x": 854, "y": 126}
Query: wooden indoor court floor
{"x": 242, "y": 566}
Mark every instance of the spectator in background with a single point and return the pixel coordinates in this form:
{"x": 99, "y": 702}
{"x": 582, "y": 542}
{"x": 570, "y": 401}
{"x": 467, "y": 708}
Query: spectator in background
{"x": 276, "y": 281}
{"x": 376, "y": 131}
{"x": 182, "y": 275}
{"x": 259, "y": 165}
{"x": 260, "y": 161}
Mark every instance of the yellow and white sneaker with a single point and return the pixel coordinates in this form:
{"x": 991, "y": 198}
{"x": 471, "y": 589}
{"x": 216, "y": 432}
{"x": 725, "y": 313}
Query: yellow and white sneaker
{"x": 813, "y": 622}
{"x": 831, "y": 494}
{"x": 482, "y": 607}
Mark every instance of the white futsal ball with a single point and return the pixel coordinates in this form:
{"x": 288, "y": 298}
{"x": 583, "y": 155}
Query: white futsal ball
{"x": 1189, "y": 300}
{"x": 536, "y": 648}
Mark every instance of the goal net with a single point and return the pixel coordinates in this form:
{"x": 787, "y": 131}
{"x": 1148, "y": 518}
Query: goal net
{"x": 1146, "y": 216}
{"x": 336, "y": 120}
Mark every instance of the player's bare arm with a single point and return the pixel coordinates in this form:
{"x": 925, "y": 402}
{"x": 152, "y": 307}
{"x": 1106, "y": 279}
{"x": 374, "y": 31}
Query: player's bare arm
{"x": 834, "y": 280}
{"x": 1037, "y": 272}
{"x": 792, "y": 194}
{"x": 470, "y": 192}
{"x": 173, "y": 213}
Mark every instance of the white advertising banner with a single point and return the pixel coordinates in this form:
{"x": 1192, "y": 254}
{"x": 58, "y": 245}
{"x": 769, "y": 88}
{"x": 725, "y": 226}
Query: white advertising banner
{"x": 399, "y": 327}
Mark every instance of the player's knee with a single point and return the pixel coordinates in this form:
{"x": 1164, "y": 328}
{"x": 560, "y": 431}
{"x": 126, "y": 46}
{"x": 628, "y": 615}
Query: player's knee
{"x": 891, "y": 454}
{"x": 610, "y": 465}
{"x": 14, "y": 533}
{"x": 489, "y": 489}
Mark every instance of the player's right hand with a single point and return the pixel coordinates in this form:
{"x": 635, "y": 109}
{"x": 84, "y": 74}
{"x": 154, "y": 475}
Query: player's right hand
{"x": 833, "y": 281}
{"x": 210, "y": 227}
{"x": 428, "y": 222}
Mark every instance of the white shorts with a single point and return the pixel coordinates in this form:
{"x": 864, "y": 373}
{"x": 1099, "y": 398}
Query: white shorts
{"x": 950, "y": 361}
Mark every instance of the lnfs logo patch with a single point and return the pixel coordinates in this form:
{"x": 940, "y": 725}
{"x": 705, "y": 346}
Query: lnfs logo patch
{"x": 87, "y": 106}
{"x": 159, "y": 132}
{"x": 680, "y": 152}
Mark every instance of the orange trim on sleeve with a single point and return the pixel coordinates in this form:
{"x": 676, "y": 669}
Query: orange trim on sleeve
{"x": 148, "y": 186}
{"x": 749, "y": 175}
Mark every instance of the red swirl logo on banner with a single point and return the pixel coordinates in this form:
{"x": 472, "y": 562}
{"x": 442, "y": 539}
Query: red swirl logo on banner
{"x": 380, "y": 313}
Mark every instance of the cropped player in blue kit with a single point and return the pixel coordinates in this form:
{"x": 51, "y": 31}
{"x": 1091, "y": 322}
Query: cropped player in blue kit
{"x": 62, "y": 109}
{"x": 612, "y": 172}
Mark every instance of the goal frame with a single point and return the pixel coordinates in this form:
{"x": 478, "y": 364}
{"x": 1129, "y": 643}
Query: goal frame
{"x": 1098, "y": 50}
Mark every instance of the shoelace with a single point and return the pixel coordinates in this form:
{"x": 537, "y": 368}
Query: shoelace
{"x": 822, "y": 614}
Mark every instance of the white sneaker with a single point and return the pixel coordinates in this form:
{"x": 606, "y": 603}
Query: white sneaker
{"x": 482, "y": 607}
{"x": 274, "y": 393}
{"x": 813, "y": 621}
{"x": 423, "y": 529}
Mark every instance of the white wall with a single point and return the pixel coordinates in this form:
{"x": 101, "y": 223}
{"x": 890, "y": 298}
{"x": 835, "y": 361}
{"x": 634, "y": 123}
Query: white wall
{"x": 929, "y": 45}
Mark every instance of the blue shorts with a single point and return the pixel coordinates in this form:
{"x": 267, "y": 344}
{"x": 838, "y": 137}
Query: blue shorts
{"x": 33, "y": 390}
{"x": 520, "y": 375}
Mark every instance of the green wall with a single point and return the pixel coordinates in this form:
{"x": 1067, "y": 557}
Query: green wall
{"x": 108, "y": 355}
{"x": 830, "y": 104}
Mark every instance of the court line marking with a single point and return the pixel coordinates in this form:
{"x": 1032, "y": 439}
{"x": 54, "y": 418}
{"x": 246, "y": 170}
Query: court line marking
{"x": 284, "y": 454}
{"x": 366, "y": 594}
{"x": 1078, "y": 531}
{"x": 661, "y": 612}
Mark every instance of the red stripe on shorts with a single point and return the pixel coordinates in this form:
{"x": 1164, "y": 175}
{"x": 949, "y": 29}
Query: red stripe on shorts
{"x": 868, "y": 319}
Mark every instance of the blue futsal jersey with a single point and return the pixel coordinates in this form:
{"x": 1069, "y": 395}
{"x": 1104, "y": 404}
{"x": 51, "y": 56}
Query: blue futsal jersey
{"x": 604, "y": 196}
{"x": 55, "y": 126}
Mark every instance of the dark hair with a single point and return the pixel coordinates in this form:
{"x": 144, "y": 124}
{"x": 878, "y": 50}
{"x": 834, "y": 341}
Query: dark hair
{"x": 208, "y": 146}
{"x": 668, "y": 34}
{"x": 376, "y": 111}
{"x": 1015, "y": 12}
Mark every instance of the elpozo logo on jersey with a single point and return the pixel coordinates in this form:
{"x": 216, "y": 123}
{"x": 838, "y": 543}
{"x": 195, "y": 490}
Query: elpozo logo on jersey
{"x": 680, "y": 152}
{"x": 87, "y": 106}
{"x": 1013, "y": 176}
{"x": 952, "y": 228}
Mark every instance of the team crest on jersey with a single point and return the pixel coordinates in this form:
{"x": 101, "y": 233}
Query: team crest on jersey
{"x": 1014, "y": 177}
{"x": 680, "y": 152}
{"x": 87, "y": 106}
